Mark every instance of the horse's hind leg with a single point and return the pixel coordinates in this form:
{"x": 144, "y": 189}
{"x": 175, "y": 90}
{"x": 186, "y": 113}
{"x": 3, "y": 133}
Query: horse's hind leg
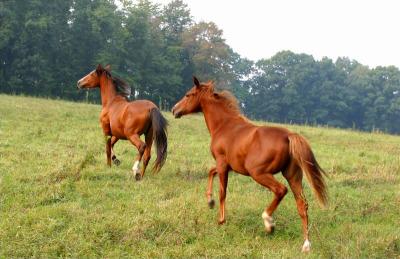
{"x": 140, "y": 145}
{"x": 113, "y": 157}
{"x": 147, "y": 150}
{"x": 267, "y": 180}
{"x": 294, "y": 176}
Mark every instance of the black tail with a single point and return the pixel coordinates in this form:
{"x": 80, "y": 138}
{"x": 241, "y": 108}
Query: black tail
{"x": 159, "y": 124}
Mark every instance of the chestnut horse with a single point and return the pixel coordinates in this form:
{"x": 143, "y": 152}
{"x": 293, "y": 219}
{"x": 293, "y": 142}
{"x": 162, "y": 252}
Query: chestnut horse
{"x": 121, "y": 119}
{"x": 255, "y": 151}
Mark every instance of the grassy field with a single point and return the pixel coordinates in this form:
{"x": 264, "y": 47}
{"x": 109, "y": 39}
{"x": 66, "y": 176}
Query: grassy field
{"x": 59, "y": 199}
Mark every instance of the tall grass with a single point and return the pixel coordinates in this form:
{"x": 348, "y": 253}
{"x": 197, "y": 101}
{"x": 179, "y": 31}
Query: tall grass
{"x": 58, "y": 198}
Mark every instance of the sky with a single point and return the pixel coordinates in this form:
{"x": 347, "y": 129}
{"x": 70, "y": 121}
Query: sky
{"x": 367, "y": 31}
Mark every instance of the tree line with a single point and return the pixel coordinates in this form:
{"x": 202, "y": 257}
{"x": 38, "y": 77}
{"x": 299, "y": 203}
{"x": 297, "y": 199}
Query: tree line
{"x": 46, "y": 46}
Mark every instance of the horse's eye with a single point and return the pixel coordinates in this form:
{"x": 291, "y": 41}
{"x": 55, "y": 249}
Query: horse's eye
{"x": 187, "y": 95}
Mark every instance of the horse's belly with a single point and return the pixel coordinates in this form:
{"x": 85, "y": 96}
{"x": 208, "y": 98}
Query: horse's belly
{"x": 241, "y": 172}
{"x": 118, "y": 132}
{"x": 238, "y": 167}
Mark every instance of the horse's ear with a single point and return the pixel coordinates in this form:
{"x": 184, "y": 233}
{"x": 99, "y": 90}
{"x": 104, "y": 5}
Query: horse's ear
{"x": 196, "y": 81}
{"x": 108, "y": 68}
{"x": 99, "y": 69}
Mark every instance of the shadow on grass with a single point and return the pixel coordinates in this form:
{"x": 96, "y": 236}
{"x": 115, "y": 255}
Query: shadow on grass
{"x": 107, "y": 176}
{"x": 249, "y": 221}
{"x": 366, "y": 182}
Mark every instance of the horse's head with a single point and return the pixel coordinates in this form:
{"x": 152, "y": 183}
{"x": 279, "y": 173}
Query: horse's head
{"x": 190, "y": 103}
{"x": 92, "y": 79}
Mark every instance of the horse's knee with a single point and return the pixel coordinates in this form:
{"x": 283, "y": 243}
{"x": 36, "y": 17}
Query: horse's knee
{"x": 281, "y": 192}
{"x": 302, "y": 213}
{"x": 142, "y": 148}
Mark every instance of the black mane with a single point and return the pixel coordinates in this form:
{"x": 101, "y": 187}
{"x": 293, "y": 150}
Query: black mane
{"x": 121, "y": 86}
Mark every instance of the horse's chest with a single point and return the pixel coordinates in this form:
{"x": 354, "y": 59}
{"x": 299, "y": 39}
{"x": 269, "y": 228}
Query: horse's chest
{"x": 233, "y": 150}
{"x": 105, "y": 123}
{"x": 231, "y": 154}
{"x": 117, "y": 128}
{"x": 110, "y": 126}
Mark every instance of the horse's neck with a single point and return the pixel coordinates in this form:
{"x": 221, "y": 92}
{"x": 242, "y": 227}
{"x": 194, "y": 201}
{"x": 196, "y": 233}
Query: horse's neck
{"x": 217, "y": 116}
{"x": 107, "y": 90}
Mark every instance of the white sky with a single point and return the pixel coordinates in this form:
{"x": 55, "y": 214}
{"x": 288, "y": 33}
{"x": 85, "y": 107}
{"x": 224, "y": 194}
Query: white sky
{"x": 367, "y": 31}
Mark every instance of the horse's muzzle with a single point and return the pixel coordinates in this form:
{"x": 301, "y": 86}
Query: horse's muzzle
{"x": 176, "y": 114}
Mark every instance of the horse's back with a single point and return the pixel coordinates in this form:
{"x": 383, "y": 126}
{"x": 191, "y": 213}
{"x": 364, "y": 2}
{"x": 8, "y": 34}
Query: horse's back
{"x": 138, "y": 115}
{"x": 130, "y": 118}
{"x": 245, "y": 145}
{"x": 273, "y": 134}
{"x": 261, "y": 137}
{"x": 141, "y": 106}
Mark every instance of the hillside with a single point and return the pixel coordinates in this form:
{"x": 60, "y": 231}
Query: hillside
{"x": 59, "y": 199}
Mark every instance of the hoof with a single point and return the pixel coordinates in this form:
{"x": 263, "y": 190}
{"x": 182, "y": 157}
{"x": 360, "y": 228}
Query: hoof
{"x": 211, "y": 204}
{"x": 116, "y": 162}
{"x": 306, "y": 246}
{"x": 270, "y": 229}
{"x": 268, "y": 223}
{"x": 138, "y": 177}
{"x": 221, "y": 222}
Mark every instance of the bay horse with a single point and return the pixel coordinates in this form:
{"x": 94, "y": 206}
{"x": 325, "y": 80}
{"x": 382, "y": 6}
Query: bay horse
{"x": 255, "y": 151}
{"x": 121, "y": 119}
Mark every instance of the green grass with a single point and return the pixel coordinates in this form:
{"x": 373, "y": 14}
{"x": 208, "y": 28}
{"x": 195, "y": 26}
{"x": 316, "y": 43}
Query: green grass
{"x": 59, "y": 199}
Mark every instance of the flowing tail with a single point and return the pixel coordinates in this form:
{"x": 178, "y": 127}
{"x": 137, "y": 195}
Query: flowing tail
{"x": 301, "y": 152}
{"x": 159, "y": 124}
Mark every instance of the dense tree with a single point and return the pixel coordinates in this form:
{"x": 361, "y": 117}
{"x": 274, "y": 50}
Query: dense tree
{"x": 94, "y": 31}
{"x": 176, "y": 19}
{"x": 382, "y": 109}
{"x": 34, "y": 32}
{"x": 208, "y": 51}
{"x": 154, "y": 66}
{"x": 46, "y": 46}
{"x": 296, "y": 88}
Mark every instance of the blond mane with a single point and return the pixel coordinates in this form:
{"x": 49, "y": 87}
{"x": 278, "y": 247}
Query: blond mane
{"x": 229, "y": 100}
{"x": 225, "y": 97}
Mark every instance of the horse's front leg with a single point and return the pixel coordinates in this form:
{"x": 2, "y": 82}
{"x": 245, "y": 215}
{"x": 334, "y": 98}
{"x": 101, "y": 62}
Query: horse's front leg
{"x": 209, "y": 193}
{"x": 222, "y": 169}
{"x": 105, "y": 125}
{"x": 108, "y": 150}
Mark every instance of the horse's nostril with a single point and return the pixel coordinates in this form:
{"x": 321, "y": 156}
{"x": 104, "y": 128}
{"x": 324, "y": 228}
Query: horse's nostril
{"x": 177, "y": 115}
